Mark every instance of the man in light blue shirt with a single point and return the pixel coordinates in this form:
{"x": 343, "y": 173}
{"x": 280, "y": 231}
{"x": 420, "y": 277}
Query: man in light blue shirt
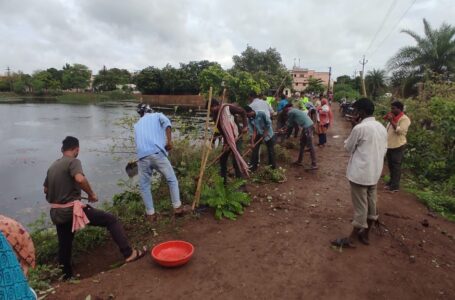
{"x": 153, "y": 139}
{"x": 260, "y": 126}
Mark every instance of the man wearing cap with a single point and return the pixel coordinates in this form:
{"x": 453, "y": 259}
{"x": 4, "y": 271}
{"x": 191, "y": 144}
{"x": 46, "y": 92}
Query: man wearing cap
{"x": 153, "y": 139}
{"x": 367, "y": 145}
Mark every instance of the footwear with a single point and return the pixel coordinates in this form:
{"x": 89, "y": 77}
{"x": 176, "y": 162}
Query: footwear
{"x": 181, "y": 210}
{"x": 342, "y": 243}
{"x": 297, "y": 163}
{"x": 312, "y": 168}
{"x": 392, "y": 190}
{"x": 152, "y": 218}
{"x": 137, "y": 254}
{"x": 387, "y": 187}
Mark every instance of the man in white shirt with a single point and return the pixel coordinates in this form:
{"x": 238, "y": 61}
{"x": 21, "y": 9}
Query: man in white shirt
{"x": 260, "y": 105}
{"x": 367, "y": 145}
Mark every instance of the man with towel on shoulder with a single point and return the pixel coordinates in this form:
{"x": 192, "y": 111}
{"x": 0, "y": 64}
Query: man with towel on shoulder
{"x": 230, "y": 131}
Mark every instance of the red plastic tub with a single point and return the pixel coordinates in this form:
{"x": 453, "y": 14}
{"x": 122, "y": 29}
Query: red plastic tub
{"x": 172, "y": 253}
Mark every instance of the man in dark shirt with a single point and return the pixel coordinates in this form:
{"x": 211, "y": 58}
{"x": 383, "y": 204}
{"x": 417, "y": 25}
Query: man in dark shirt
{"x": 235, "y": 111}
{"x": 62, "y": 186}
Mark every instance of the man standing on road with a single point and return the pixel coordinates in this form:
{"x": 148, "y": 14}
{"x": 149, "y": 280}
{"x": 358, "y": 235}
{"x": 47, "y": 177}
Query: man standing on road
{"x": 367, "y": 145}
{"x": 295, "y": 119}
{"x": 153, "y": 139}
{"x": 396, "y": 143}
{"x": 260, "y": 128}
{"x": 62, "y": 186}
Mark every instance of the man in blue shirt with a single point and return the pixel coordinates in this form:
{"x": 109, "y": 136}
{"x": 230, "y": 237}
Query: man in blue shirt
{"x": 299, "y": 118}
{"x": 260, "y": 126}
{"x": 153, "y": 139}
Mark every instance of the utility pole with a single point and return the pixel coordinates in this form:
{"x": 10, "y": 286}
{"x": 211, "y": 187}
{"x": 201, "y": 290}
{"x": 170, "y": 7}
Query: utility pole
{"x": 328, "y": 85}
{"x": 363, "y": 62}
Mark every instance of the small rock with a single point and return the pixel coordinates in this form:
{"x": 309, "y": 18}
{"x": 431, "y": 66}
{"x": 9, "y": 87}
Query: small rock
{"x": 425, "y": 223}
{"x": 412, "y": 258}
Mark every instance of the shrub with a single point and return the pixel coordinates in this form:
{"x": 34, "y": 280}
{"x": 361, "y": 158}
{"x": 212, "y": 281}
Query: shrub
{"x": 227, "y": 201}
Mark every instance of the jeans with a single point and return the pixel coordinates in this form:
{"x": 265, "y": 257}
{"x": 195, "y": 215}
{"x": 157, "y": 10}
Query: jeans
{"x": 270, "y": 150}
{"x": 223, "y": 163}
{"x": 306, "y": 140}
{"x": 161, "y": 163}
{"x": 394, "y": 159}
{"x": 322, "y": 138}
{"x": 97, "y": 218}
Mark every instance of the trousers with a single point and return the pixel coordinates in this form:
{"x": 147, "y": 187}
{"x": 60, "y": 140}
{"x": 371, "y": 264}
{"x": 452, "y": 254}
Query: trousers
{"x": 394, "y": 160}
{"x": 97, "y": 218}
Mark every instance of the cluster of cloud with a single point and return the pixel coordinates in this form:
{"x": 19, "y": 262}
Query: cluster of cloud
{"x": 135, "y": 34}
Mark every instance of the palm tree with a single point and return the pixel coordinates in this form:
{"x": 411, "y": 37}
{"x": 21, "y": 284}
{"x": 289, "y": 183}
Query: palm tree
{"x": 375, "y": 82}
{"x": 435, "y": 52}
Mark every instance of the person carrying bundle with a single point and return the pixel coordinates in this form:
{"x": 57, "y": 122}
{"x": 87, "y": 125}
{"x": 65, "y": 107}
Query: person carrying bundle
{"x": 230, "y": 131}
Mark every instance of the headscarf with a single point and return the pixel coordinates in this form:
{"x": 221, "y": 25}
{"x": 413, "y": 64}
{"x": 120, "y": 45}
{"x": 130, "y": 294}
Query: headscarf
{"x": 20, "y": 241}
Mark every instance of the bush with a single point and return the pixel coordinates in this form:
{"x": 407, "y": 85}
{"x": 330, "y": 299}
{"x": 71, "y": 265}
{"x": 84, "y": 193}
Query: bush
{"x": 430, "y": 152}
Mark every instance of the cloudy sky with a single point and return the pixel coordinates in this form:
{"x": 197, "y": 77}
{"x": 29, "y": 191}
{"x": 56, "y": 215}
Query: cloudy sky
{"x": 133, "y": 34}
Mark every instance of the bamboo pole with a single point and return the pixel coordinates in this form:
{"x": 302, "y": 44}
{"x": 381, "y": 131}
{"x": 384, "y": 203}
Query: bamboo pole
{"x": 205, "y": 152}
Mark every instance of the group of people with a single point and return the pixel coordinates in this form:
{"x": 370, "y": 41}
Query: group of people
{"x": 367, "y": 144}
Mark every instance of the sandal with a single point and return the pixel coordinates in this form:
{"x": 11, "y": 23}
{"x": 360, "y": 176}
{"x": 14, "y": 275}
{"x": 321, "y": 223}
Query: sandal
{"x": 342, "y": 243}
{"x": 138, "y": 255}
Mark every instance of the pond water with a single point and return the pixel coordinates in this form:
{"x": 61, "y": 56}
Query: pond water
{"x": 31, "y": 135}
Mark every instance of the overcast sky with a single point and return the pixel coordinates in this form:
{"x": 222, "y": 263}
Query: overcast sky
{"x": 134, "y": 34}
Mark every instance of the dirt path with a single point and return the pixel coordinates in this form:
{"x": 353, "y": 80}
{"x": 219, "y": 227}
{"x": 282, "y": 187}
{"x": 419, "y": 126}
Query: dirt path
{"x": 280, "y": 249}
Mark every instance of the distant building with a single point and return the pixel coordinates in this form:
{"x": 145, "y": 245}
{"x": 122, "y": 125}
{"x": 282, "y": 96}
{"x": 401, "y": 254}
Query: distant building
{"x": 300, "y": 77}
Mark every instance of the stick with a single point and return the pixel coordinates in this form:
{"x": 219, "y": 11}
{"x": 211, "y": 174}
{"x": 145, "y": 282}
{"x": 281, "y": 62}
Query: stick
{"x": 249, "y": 150}
{"x": 205, "y": 152}
{"x": 221, "y": 154}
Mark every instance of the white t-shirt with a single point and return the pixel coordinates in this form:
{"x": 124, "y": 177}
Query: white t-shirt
{"x": 259, "y": 104}
{"x": 367, "y": 145}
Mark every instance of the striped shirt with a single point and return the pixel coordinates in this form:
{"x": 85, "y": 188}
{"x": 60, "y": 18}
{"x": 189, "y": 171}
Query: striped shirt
{"x": 150, "y": 134}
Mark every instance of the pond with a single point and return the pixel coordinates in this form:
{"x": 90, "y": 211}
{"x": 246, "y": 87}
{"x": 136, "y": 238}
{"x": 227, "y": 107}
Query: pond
{"x": 31, "y": 135}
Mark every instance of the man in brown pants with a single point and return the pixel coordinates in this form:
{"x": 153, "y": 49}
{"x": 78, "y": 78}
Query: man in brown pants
{"x": 367, "y": 145}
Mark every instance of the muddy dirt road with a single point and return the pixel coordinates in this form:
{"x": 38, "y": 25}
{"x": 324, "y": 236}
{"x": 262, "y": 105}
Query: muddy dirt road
{"x": 280, "y": 248}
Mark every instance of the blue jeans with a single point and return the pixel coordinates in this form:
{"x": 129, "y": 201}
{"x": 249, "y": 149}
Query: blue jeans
{"x": 161, "y": 163}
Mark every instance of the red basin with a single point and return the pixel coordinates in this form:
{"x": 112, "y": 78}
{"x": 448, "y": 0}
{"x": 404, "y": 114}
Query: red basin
{"x": 172, "y": 253}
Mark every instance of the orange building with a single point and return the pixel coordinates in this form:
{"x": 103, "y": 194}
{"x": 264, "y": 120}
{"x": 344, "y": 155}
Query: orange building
{"x": 300, "y": 77}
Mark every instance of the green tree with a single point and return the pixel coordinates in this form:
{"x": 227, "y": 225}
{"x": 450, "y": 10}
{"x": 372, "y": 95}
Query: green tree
{"x": 375, "y": 82}
{"x": 42, "y": 82}
{"x": 189, "y": 82}
{"x": 108, "y": 79}
{"x": 241, "y": 83}
{"x": 315, "y": 85}
{"x": 213, "y": 77}
{"x": 266, "y": 65}
{"x": 345, "y": 91}
{"x": 435, "y": 52}
{"x": 76, "y": 76}
{"x": 149, "y": 81}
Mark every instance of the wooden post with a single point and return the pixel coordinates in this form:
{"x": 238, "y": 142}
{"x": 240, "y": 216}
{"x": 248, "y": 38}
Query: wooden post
{"x": 205, "y": 152}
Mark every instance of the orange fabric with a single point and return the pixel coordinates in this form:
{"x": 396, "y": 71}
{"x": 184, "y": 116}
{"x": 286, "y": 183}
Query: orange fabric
{"x": 79, "y": 217}
{"x": 20, "y": 241}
